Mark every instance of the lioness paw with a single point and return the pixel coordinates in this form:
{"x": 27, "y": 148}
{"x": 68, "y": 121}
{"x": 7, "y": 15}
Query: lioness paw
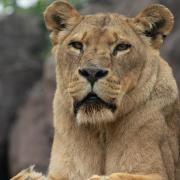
{"x": 126, "y": 176}
{"x": 29, "y": 174}
{"x": 95, "y": 177}
{"x": 114, "y": 176}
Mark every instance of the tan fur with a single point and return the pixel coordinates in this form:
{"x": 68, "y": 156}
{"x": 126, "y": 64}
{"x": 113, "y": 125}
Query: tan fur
{"x": 139, "y": 141}
{"x": 29, "y": 174}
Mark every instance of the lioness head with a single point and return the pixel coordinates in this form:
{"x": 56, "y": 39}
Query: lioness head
{"x": 100, "y": 57}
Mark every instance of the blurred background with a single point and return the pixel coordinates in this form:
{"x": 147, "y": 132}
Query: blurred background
{"x": 27, "y": 76}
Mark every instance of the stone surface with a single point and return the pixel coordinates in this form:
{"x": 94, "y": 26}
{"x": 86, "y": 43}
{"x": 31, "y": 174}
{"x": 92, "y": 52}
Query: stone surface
{"x": 31, "y": 134}
{"x": 21, "y": 41}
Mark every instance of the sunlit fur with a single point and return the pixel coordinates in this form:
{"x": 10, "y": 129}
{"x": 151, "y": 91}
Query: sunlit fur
{"x": 137, "y": 141}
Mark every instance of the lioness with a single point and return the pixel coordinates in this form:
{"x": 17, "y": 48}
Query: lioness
{"x": 116, "y": 103}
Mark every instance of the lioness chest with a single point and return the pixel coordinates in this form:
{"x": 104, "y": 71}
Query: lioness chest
{"x": 122, "y": 146}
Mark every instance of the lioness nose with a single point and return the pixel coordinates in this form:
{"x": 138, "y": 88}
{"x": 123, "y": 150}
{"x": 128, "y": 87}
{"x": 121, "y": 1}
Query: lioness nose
{"x": 93, "y": 74}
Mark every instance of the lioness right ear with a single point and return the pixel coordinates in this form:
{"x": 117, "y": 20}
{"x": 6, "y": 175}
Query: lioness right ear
{"x": 61, "y": 16}
{"x": 155, "y": 22}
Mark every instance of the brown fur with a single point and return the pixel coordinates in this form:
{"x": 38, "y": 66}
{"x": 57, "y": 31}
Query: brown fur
{"x": 139, "y": 141}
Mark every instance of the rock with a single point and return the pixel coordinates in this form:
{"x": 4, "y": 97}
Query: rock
{"x": 170, "y": 50}
{"x": 21, "y": 42}
{"x": 31, "y": 136}
{"x": 127, "y": 8}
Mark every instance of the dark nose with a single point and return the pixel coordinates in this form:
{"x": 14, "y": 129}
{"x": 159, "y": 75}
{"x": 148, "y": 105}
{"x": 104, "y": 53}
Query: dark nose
{"x": 93, "y": 74}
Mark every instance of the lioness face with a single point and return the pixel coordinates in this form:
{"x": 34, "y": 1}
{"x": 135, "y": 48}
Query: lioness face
{"x": 100, "y": 63}
{"x": 99, "y": 59}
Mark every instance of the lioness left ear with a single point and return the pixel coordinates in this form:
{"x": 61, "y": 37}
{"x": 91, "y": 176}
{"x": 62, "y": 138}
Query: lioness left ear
{"x": 60, "y": 16}
{"x": 155, "y": 22}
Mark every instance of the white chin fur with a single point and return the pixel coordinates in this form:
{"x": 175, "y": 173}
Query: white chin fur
{"x": 95, "y": 117}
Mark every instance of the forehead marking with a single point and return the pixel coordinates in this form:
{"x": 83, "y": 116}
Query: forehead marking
{"x": 115, "y": 35}
{"x": 104, "y": 21}
{"x": 84, "y": 36}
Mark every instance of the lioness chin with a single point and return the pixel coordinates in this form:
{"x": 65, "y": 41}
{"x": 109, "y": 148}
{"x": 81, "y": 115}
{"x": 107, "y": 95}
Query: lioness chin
{"x": 116, "y": 112}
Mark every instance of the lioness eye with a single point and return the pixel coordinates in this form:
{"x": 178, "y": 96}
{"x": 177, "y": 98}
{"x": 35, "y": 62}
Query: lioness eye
{"x": 121, "y": 47}
{"x": 76, "y": 45}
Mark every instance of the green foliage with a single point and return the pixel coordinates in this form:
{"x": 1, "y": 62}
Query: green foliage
{"x": 5, "y": 3}
{"x": 38, "y": 7}
{"x": 11, "y": 3}
{"x": 36, "y": 10}
{"x": 8, "y": 4}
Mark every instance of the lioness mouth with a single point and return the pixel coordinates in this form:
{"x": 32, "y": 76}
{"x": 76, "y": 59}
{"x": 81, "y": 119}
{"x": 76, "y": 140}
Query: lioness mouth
{"x": 92, "y": 100}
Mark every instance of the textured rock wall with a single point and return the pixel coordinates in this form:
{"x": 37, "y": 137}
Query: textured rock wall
{"x": 21, "y": 42}
{"x": 30, "y": 137}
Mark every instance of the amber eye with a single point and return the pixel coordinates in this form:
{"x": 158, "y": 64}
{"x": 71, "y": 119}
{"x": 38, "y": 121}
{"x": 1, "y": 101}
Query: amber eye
{"x": 121, "y": 47}
{"x": 76, "y": 44}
